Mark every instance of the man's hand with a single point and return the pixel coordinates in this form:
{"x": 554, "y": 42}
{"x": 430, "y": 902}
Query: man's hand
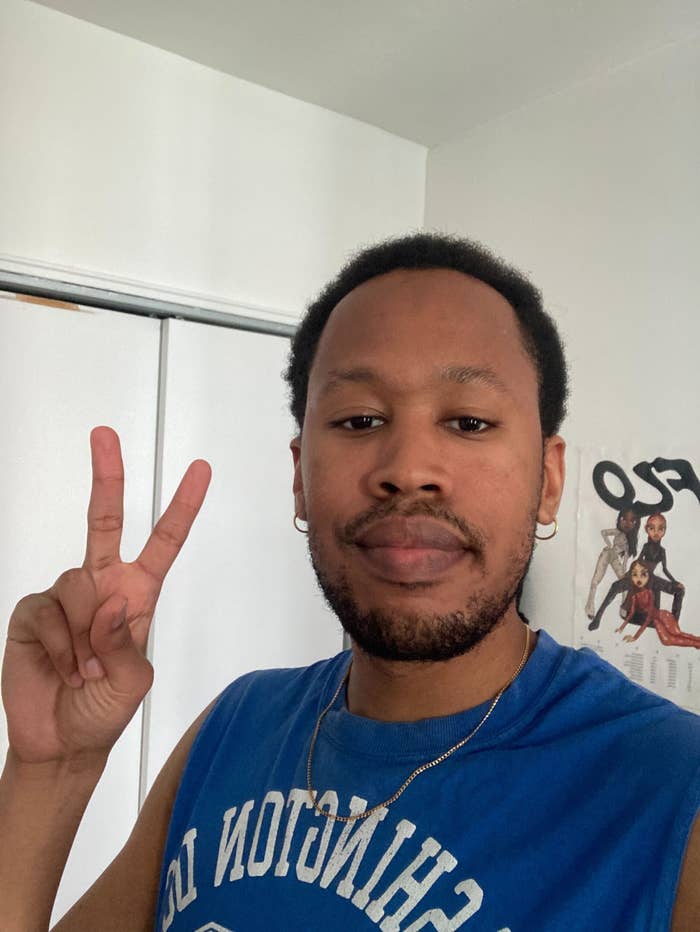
{"x": 75, "y": 669}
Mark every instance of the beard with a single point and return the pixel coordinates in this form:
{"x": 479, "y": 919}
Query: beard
{"x": 416, "y": 636}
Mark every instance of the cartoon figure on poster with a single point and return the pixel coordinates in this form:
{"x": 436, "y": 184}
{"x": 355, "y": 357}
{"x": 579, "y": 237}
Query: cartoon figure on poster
{"x": 640, "y": 609}
{"x": 638, "y": 598}
{"x": 620, "y": 544}
{"x": 640, "y": 586}
{"x": 652, "y": 554}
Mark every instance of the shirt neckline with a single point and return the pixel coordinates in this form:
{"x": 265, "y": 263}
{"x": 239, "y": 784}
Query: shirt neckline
{"x": 430, "y": 737}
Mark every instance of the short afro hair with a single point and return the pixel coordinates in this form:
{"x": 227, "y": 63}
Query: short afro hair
{"x": 440, "y": 251}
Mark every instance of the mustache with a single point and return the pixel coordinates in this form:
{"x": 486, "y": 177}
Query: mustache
{"x": 474, "y": 537}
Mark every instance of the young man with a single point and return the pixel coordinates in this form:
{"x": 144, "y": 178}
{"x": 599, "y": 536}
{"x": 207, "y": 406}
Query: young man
{"x": 455, "y": 769}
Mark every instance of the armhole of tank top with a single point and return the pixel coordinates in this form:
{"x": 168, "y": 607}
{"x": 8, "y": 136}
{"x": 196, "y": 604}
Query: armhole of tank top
{"x": 325, "y": 692}
{"x": 206, "y": 724}
{"x": 672, "y": 863}
{"x": 173, "y": 829}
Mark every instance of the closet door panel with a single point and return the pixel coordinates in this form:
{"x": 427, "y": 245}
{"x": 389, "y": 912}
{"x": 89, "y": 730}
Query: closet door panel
{"x": 62, "y": 372}
{"x": 245, "y": 596}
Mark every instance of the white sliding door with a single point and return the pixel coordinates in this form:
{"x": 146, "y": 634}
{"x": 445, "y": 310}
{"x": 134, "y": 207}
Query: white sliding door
{"x": 63, "y": 372}
{"x": 244, "y": 595}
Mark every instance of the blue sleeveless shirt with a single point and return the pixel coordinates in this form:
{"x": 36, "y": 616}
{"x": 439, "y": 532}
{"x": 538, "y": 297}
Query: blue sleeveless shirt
{"x": 569, "y": 810}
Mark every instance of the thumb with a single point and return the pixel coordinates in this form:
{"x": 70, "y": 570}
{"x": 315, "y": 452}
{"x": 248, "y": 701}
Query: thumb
{"x": 127, "y": 670}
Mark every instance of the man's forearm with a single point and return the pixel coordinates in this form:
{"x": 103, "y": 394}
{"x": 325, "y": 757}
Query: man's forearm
{"x": 41, "y": 806}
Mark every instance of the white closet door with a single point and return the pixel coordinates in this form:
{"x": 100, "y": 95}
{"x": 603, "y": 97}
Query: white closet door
{"x": 245, "y": 595}
{"x": 63, "y": 372}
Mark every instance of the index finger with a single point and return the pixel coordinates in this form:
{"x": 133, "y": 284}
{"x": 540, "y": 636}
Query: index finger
{"x": 171, "y": 531}
{"x": 106, "y": 508}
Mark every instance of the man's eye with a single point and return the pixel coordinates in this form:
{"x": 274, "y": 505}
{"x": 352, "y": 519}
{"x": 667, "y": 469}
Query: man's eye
{"x": 469, "y": 424}
{"x": 357, "y": 423}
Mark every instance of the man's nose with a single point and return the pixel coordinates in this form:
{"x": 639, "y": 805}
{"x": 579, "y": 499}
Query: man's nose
{"x": 409, "y": 460}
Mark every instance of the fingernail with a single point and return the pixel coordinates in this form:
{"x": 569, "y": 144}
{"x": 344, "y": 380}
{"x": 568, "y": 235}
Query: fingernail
{"x": 94, "y": 669}
{"x": 75, "y": 680}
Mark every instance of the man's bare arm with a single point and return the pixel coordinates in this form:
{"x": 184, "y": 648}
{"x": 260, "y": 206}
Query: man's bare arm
{"x": 686, "y": 914}
{"x": 125, "y": 895}
{"x": 41, "y": 806}
{"x": 74, "y": 673}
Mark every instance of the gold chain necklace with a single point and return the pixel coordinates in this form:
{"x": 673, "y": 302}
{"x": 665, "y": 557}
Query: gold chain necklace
{"x": 433, "y": 763}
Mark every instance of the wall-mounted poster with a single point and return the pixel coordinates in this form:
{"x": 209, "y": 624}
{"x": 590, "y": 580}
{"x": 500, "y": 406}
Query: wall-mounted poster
{"x": 637, "y": 594}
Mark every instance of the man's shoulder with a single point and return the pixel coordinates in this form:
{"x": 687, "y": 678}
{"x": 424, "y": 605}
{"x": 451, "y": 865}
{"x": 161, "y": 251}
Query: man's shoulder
{"x": 295, "y": 678}
{"x": 272, "y": 691}
{"x": 591, "y": 694}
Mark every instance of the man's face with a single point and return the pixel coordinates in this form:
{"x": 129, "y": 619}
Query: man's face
{"x": 420, "y": 470}
{"x": 655, "y": 528}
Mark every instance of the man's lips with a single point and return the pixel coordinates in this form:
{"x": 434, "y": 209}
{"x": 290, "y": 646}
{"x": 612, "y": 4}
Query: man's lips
{"x": 410, "y": 533}
{"x": 414, "y": 549}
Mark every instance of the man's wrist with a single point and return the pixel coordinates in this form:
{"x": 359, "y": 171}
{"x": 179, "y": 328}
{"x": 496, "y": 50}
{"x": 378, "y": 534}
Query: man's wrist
{"x": 41, "y": 806}
{"x": 84, "y": 768}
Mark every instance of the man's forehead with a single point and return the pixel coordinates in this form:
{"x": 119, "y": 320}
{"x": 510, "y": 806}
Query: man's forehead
{"x": 334, "y": 379}
{"x": 438, "y": 326}
{"x": 408, "y": 288}
{"x": 432, "y": 306}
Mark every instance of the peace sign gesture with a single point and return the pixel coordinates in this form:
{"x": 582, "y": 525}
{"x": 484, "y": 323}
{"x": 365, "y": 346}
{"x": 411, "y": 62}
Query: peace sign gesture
{"x": 75, "y": 669}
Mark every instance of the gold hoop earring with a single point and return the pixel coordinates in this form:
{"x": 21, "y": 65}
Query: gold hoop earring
{"x": 549, "y": 536}
{"x": 300, "y": 529}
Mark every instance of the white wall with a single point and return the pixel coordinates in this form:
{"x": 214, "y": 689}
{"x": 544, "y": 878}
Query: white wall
{"x": 122, "y": 159}
{"x": 594, "y": 191}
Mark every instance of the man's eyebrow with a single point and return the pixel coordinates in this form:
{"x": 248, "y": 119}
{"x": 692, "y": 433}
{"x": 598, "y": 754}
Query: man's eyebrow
{"x": 473, "y": 374}
{"x": 460, "y": 375}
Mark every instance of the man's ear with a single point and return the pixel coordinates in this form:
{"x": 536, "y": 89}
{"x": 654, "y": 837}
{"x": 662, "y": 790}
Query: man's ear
{"x": 553, "y": 472}
{"x": 298, "y": 483}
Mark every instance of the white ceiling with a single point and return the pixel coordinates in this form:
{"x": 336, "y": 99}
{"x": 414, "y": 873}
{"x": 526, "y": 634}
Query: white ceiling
{"x": 427, "y": 70}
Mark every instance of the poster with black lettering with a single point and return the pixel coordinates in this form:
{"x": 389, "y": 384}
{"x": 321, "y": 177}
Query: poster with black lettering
{"x": 637, "y": 593}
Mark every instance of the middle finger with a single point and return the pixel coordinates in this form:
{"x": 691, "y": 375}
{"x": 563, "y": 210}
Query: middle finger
{"x": 175, "y": 523}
